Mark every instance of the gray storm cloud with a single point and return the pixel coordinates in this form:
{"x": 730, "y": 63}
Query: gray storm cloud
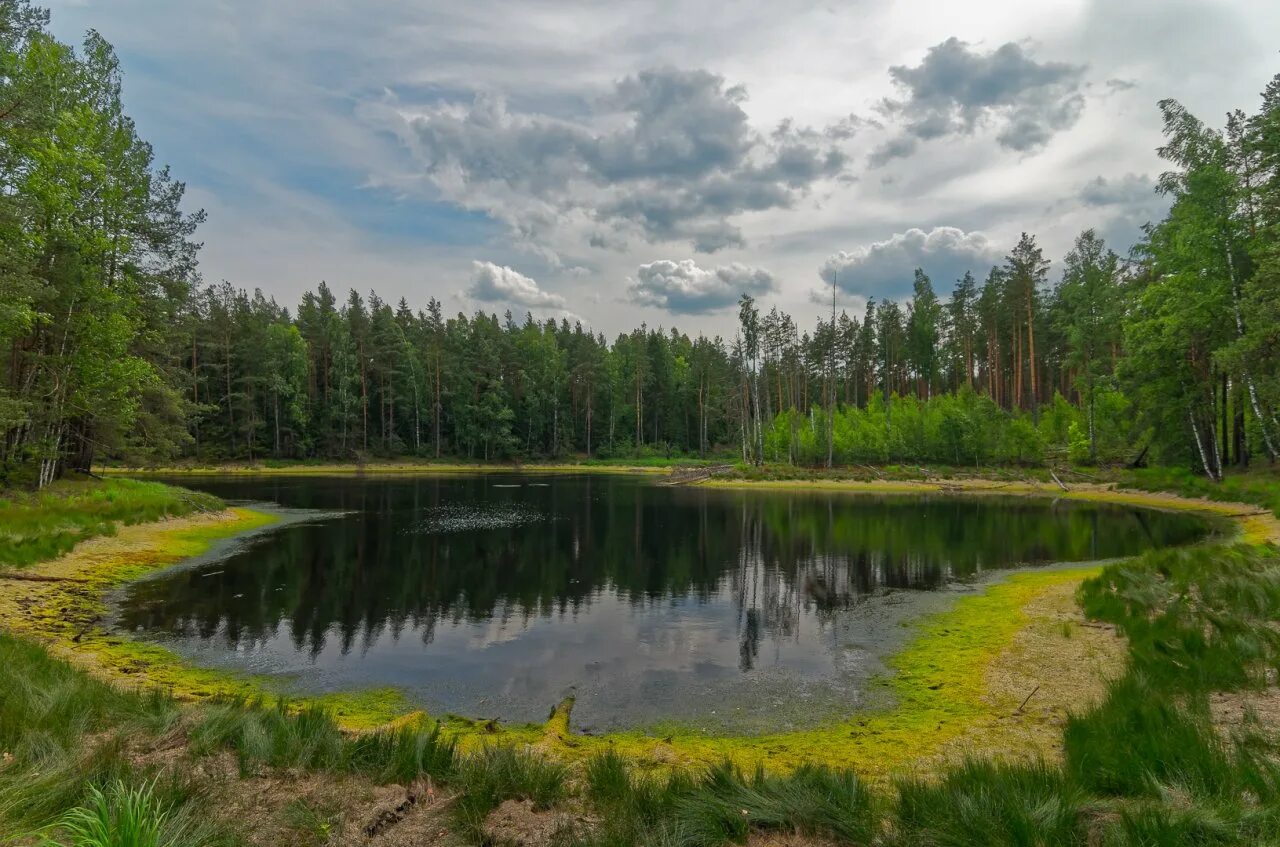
{"x": 667, "y": 155}
{"x": 957, "y": 89}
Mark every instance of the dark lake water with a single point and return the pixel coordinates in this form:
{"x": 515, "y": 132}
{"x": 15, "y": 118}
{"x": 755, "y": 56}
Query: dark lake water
{"x": 497, "y": 595}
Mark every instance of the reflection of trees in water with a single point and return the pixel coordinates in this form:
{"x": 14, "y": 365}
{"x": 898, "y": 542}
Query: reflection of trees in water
{"x": 779, "y": 559}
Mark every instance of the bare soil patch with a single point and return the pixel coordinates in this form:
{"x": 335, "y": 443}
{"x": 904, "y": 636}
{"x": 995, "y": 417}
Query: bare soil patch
{"x": 1059, "y": 663}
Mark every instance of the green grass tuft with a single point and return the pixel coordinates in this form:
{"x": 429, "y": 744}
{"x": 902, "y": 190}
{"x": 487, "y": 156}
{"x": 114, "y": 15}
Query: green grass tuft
{"x": 494, "y": 774}
{"x": 121, "y": 816}
{"x": 990, "y": 803}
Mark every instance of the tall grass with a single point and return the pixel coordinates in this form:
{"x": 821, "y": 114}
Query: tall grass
{"x": 723, "y": 805}
{"x": 39, "y": 526}
{"x": 980, "y": 802}
{"x": 134, "y": 811}
{"x": 1199, "y": 621}
{"x": 67, "y": 773}
{"x": 47, "y": 705}
{"x": 1141, "y": 742}
{"x": 310, "y": 739}
{"x": 494, "y": 774}
{"x": 47, "y": 709}
{"x": 121, "y": 816}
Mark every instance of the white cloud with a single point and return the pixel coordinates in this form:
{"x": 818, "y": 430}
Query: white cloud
{"x": 885, "y": 268}
{"x": 492, "y": 283}
{"x": 665, "y": 155}
{"x": 310, "y": 99}
{"x": 685, "y": 288}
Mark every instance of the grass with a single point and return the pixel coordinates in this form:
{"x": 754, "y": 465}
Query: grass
{"x": 123, "y": 815}
{"x": 66, "y": 775}
{"x": 312, "y": 825}
{"x": 44, "y": 525}
{"x": 1259, "y": 487}
{"x": 1198, "y": 621}
{"x": 309, "y": 739}
{"x": 722, "y": 805}
{"x": 494, "y": 774}
{"x": 47, "y": 709}
{"x": 991, "y": 803}
{"x": 1146, "y": 766}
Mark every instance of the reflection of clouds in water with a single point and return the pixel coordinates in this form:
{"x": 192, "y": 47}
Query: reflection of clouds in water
{"x": 470, "y": 517}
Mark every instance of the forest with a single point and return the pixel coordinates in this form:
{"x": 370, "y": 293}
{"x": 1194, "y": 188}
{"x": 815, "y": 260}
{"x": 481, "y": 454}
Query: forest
{"x": 117, "y": 350}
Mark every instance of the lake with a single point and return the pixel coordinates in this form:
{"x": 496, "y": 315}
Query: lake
{"x": 497, "y": 595}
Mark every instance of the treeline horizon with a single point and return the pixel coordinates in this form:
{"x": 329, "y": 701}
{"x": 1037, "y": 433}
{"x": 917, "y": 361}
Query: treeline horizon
{"x": 116, "y": 350}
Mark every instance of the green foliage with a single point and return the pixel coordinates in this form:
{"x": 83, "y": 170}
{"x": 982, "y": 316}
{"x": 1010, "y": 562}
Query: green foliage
{"x": 36, "y": 527}
{"x": 46, "y": 705}
{"x": 495, "y": 774}
{"x": 1198, "y": 621}
{"x": 116, "y": 349}
{"x": 312, "y": 825}
{"x": 120, "y": 816}
{"x": 1199, "y": 824}
{"x": 309, "y": 739}
{"x": 66, "y": 771}
{"x": 960, "y": 429}
{"x": 723, "y": 805}
{"x": 1261, "y": 488}
{"x": 1138, "y": 743}
{"x": 96, "y": 257}
{"x": 980, "y": 802}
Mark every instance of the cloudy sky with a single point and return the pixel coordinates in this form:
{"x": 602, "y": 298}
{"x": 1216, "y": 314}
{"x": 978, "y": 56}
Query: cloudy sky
{"x": 627, "y": 162}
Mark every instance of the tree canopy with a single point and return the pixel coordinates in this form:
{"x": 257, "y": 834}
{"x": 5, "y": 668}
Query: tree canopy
{"x": 115, "y": 348}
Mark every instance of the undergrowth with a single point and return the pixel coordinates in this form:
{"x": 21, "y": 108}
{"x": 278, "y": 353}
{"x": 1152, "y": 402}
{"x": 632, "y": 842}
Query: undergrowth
{"x": 44, "y": 525}
{"x": 1260, "y": 487}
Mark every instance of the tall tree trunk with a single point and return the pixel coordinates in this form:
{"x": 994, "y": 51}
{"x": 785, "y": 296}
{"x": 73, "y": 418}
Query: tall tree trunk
{"x": 231, "y": 413}
{"x": 1226, "y": 445}
{"x": 437, "y": 406}
{"x": 1265, "y": 422}
{"x": 1209, "y": 470}
{"x": 1031, "y": 350}
{"x": 195, "y": 393}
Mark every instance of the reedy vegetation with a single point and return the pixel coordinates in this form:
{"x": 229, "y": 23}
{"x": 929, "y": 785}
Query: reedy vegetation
{"x": 117, "y": 350}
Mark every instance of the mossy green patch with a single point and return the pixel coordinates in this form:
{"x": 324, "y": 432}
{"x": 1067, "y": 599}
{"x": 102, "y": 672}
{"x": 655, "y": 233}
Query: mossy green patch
{"x": 937, "y": 685}
{"x": 66, "y": 607}
{"x": 366, "y": 709}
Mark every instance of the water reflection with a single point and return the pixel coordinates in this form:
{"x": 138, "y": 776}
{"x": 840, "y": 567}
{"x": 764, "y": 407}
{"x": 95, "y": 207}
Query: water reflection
{"x": 489, "y": 590}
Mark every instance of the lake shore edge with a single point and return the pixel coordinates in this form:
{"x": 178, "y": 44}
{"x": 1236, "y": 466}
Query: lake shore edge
{"x": 61, "y": 602}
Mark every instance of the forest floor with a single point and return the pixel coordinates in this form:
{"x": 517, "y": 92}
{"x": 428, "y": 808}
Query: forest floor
{"x": 998, "y": 677}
